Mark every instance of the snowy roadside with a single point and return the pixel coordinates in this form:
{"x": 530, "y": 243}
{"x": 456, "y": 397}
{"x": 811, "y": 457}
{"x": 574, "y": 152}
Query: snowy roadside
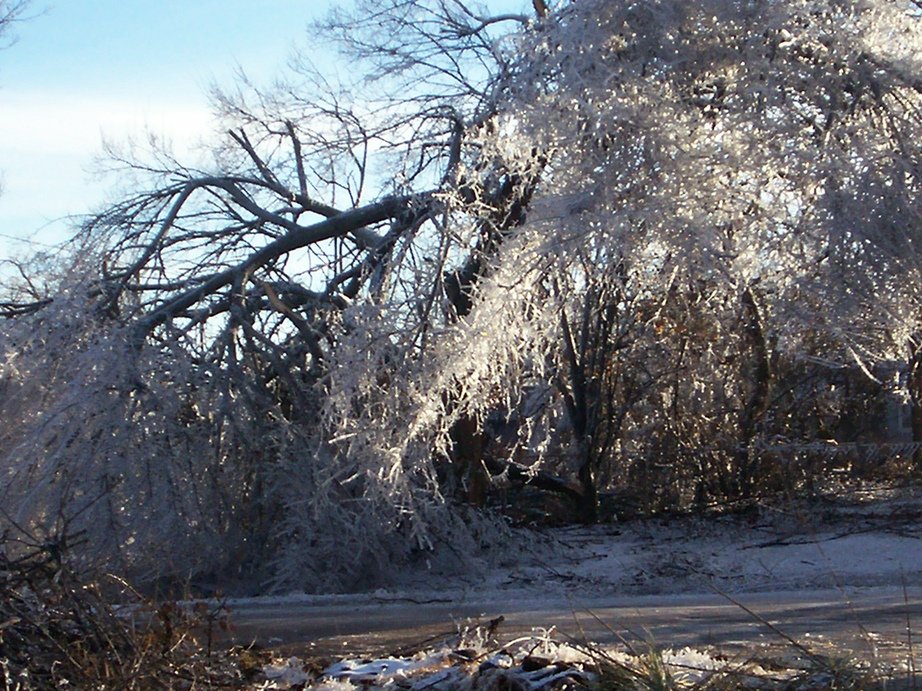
{"x": 533, "y": 663}
{"x": 851, "y": 545}
{"x": 830, "y": 565}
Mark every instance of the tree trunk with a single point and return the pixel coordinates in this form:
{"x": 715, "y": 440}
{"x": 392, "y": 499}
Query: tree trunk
{"x": 470, "y": 474}
{"x": 509, "y": 202}
{"x": 914, "y": 385}
{"x": 587, "y": 504}
{"x": 757, "y": 405}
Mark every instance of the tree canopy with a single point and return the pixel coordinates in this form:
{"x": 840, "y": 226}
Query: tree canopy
{"x": 607, "y": 241}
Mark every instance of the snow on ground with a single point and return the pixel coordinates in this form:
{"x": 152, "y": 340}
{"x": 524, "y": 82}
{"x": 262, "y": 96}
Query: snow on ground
{"x": 529, "y": 663}
{"x": 866, "y": 542}
{"x": 542, "y": 663}
{"x": 856, "y": 546}
{"x": 733, "y": 555}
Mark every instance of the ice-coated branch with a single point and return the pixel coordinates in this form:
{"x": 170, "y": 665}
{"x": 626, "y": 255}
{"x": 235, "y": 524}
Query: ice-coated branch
{"x": 298, "y": 237}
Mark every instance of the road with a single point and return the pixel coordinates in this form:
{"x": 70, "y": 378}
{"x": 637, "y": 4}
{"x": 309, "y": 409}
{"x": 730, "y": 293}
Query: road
{"x": 878, "y": 619}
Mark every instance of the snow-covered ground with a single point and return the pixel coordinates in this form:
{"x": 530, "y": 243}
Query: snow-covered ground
{"x": 851, "y": 567}
{"x": 862, "y": 539}
{"x": 861, "y": 543}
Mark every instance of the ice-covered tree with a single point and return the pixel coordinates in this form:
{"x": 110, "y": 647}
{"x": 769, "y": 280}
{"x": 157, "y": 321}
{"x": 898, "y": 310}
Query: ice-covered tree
{"x": 600, "y": 224}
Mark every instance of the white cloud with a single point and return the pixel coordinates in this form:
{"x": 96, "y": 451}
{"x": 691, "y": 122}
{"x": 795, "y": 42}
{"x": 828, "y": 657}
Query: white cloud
{"x": 73, "y": 123}
{"x": 48, "y": 144}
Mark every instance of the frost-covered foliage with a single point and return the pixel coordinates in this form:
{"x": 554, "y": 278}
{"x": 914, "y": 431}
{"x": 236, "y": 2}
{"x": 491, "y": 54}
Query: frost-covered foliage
{"x": 186, "y": 407}
{"x": 134, "y": 453}
{"x": 712, "y": 185}
{"x": 607, "y": 228}
{"x": 738, "y": 177}
{"x": 728, "y": 145}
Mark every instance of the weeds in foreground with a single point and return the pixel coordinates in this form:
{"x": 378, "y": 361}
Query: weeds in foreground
{"x": 58, "y": 631}
{"x": 545, "y": 662}
{"x": 68, "y": 638}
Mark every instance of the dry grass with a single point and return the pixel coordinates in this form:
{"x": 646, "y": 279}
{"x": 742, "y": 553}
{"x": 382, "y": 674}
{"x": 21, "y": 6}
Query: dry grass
{"x": 58, "y": 631}
{"x": 544, "y": 662}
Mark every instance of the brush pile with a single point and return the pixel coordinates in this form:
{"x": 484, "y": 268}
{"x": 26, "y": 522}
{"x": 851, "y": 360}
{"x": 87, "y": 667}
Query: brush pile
{"x": 57, "y": 631}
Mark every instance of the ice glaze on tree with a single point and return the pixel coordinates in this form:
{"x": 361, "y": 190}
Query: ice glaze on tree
{"x": 630, "y": 226}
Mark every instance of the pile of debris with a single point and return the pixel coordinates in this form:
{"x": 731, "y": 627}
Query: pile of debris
{"x": 57, "y": 631}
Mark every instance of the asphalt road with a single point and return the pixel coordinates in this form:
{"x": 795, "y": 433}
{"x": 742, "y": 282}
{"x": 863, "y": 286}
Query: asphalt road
{"x": 880, "y": 621}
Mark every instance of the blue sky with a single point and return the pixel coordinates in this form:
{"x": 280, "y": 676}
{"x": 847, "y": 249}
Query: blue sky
{"x": 84, "y": 69}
